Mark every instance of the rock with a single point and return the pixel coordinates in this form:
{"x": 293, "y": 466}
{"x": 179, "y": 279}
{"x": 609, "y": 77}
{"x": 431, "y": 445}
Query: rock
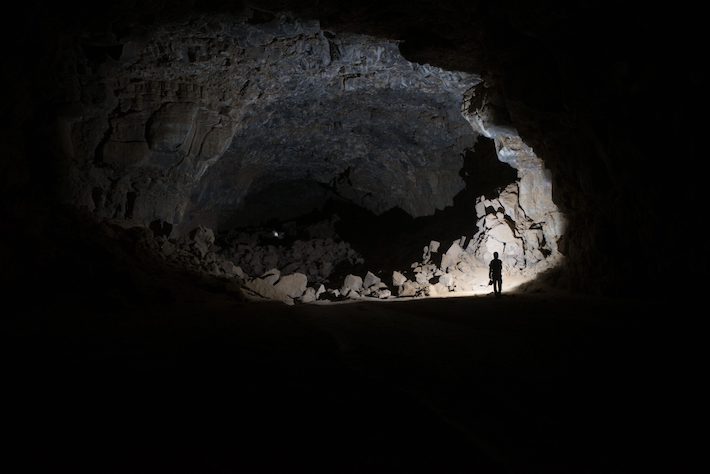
{"x": 167, "y": 248}
{"x": 238, "y": 272}
{"x": 271, "y": 276}
{"x": 202, "y": 239}
{"x": 229, "y": 267}
{"x": 398, "y": 279}
{"x": 125, "y": 154}
{"x": 169, "y": 127}
{"x": 320, "y": 291}
{"x": 422, "y": 278}
{"x": 502, "y": 233}
{"x": 352, "y": 284}
{"x": 309, "y": 296}
{"x": 383, "y": 293}
{"x": 451, "y": 257}
{"x": 438, "y": 289}
{"x": 434, "y": 246}
{"x": 370, "y": 280}
{"x": 293, "y": 285}
{"x": 409, "y": 288}
{"x": 266, "y": 290}
{"x": 509, "y": 200}
{"x": 491, "y": 221}
{"x": 447, "y": 280}
{"x": 160, "y": 228}
{"x": 480, "y": 208}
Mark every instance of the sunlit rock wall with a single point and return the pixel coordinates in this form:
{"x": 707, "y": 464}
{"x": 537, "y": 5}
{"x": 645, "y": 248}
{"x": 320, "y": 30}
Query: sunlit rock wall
{"x": 522, "y": 223}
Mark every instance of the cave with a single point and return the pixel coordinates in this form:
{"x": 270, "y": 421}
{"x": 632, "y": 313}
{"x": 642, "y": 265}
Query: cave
{"x": 256, "y": 236}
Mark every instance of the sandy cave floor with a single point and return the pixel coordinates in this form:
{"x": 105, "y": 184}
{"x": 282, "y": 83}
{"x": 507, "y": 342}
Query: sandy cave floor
{"x": 198, "y": 381}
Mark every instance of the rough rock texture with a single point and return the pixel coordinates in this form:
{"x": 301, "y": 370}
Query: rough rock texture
{"x": 317, "y": 258}
{"x": 217, "y": 120}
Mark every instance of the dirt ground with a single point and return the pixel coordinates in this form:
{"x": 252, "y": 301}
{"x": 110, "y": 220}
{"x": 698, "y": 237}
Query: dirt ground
{"x": 192, "y": 379}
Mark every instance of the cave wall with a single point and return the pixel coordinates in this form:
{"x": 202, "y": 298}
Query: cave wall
{"x": 607, "y": 97}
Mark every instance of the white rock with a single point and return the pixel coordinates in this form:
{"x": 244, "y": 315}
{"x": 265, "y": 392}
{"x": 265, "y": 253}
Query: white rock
{"x": 422, "y": 278}
{"x": 353, "y": 283}
{"x": 452, "y": 256}
{"x": 438, "y": 289}
{"x": 309, "y": 296}
{"x": 271, "y": 276}
{"x": 502, "y": 233}
{"x": 434, "y": 246}
{"x": 447, "y": 280}
{"x": 491, "y": 221}
{"x": 480, "y": 208}
{"x": 409, "y": 288}
{"x": 293, "y": 285}
{"x": 509, "y": 200}
{"x": 320, "y": 291}
{"x": 383, "y": 293}
{"x": 398, "y": 279}
{"x": 267, "y": 290}
{"x": 370, "y": 280}
{"x": 493, "y": 245}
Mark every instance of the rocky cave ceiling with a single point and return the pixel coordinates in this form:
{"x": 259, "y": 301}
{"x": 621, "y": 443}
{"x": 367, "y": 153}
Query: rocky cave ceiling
{"x": 209, "y": 113}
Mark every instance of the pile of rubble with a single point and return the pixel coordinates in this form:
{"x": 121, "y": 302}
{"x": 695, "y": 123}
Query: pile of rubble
{"x": 271, "y": 265}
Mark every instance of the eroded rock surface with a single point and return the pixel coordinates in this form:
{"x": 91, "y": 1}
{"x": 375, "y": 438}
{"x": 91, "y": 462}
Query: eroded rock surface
{"x": 217, "y": 120}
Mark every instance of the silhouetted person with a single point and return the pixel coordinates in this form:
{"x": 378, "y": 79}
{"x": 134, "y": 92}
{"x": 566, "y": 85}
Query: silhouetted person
{"x": 495, "y": 274}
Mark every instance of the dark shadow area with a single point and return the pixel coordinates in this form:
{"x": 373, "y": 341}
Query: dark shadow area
{"x": 122, "y": 365}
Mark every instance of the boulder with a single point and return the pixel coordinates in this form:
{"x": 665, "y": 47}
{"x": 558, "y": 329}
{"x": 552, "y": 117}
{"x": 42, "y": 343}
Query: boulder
{"x": 398, "y": 279}
{"x": 438, "y": 289}
{"x": 409, "y": 288}
{"x": 309, "y": 296}
{"x": 352, "y": 284}
{"x": 452, "y": 256}
{"x": 502, "y": 233}
{"x": 271, "y": 276}
{"x": 370, "y": 280}
{"x": 383, "y": 293}
{"x": 266, "y": 290}
{"x": 293, "y": 285}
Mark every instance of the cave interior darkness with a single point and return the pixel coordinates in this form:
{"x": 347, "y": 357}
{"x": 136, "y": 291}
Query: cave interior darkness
{"x": 174, "y": 172}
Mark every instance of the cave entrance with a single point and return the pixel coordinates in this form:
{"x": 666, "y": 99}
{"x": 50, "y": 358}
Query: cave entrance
{"x": 293, "y": 158}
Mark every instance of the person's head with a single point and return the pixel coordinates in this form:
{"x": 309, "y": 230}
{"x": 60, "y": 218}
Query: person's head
{"x": 495, "y": 254}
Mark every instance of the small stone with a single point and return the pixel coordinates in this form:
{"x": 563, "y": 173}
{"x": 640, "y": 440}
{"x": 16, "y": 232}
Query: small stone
{"x": 398, "y": 279}
{"x": 370, "y": 280}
